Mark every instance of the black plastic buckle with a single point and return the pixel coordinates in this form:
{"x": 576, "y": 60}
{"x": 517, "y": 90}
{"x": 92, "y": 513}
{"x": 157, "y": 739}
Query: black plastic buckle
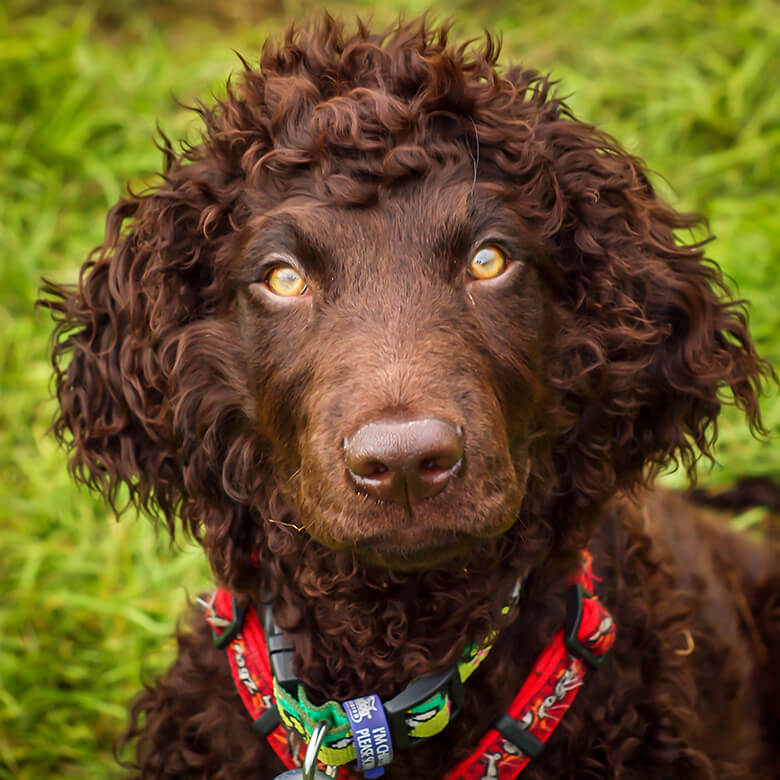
{"x": 281, "y": 652}
{"x": 267, "y": 722}
{"x": 231, "y": 630}
{"x": 447, "y": 683}
{"x": 520, "y": 737}
{"x": 573, "y": 619}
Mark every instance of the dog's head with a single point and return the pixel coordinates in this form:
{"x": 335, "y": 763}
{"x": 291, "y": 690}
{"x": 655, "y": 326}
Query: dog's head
{"x": 398, "y": 299}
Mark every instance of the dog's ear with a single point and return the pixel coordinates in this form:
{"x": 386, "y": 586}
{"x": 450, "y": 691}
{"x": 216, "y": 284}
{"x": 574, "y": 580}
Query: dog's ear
{"x": 143, "y": 352}
{"x": 650, "y": 341}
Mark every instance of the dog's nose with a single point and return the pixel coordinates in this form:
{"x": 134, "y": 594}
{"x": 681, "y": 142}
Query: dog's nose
{"x": 404, "y": 461}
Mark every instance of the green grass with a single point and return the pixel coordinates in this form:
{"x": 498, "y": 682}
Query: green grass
{"x": 85, "y": 602}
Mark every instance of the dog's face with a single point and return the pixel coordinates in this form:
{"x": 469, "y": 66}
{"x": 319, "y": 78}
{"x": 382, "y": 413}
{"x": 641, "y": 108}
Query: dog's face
{"x": 393, "y": 354}
{"x": 396, "y": 295}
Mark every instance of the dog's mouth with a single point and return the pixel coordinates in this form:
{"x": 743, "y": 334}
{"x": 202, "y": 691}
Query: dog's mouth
{"x": 413, "y": 548}
{"x": 418, "y": 547}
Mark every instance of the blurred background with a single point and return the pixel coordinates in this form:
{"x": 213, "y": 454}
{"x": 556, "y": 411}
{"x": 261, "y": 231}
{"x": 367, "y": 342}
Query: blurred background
{"x": 87, "y": 604}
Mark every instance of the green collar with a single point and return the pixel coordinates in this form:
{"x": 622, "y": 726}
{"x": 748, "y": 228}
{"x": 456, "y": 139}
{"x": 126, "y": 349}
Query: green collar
{"x": 422, "y": 710}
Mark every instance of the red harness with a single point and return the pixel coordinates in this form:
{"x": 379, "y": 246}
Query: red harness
{"x": 517, "y": 737}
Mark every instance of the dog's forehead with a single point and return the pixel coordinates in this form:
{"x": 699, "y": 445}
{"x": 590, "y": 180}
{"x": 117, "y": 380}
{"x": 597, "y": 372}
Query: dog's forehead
{"x": 422, "y": 217}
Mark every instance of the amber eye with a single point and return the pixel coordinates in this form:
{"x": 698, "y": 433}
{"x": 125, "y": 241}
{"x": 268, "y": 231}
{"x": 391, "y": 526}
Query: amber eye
{"x": 285, "y": 280}
{"x": 487, "y": 263}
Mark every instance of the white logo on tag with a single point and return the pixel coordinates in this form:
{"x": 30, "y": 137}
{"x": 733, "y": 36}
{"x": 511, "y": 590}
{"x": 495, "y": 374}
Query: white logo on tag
{"x": 361, "y": 708}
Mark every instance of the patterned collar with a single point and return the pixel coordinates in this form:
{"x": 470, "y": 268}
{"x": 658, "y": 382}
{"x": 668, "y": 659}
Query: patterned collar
{"x": 368, "y": 730}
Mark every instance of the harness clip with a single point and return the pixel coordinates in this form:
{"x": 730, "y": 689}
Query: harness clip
{"x": 447, "y": 683}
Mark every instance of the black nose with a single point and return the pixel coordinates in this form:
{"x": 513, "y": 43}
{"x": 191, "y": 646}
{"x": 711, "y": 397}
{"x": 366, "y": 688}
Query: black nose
{"x": 404, "y": 461}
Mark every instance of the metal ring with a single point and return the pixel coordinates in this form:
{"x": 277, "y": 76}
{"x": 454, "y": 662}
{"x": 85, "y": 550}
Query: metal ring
{"x": 310, "y": 759}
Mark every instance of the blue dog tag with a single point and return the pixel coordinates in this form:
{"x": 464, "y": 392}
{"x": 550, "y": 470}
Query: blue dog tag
{"x": 371, "y": 733}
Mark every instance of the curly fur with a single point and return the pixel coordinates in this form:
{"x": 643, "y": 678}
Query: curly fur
{"x": 606, "y": 360}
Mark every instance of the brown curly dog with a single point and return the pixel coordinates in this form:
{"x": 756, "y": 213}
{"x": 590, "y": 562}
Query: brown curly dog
{"x": 400, "y": 333}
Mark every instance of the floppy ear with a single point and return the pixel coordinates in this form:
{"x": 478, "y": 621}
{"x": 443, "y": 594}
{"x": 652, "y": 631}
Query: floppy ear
{"x": 650, "y": 342}
{"x": 148, "y": 382}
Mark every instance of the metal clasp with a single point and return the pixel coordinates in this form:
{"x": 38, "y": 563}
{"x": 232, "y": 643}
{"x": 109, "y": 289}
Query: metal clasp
{"x": 312, "y": 749}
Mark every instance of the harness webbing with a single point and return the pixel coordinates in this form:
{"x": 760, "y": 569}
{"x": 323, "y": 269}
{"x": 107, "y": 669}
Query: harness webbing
{"x": 549, "y": 690}
{"x": 502, "y": 753}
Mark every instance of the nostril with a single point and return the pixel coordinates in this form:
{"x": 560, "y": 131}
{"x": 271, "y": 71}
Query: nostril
{"x": 439, "y": 464}
{"x": 376, "y": 469}
{"x": 365, "y": 466}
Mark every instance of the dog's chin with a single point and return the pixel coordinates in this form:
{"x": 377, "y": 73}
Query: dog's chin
{"x": 412, "y": 548}
{"x": 416, "y": 548}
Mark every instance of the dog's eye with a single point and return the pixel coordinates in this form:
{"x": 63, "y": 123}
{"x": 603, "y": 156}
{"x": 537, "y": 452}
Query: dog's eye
{"x": 285, "y": 280}
{"x": 487, "y": 263}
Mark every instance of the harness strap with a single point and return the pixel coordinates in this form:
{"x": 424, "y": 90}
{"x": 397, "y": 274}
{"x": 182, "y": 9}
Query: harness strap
{"x": 519, "y": 736}
{"x": 239, "y": 632}
{"x": 516, "y": 738}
